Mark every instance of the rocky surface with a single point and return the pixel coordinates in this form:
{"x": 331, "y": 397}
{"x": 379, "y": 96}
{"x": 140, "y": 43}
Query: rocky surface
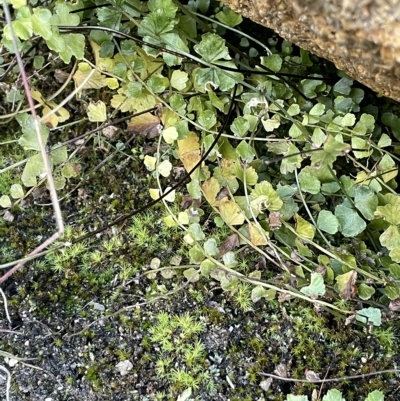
{"x": 361, "y": 38}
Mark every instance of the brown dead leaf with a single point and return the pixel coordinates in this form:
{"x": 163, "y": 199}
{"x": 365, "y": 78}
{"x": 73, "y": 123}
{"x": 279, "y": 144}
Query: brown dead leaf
{"x": 274, "y": 220}
{"x": 146, "y": 125}
{"x": 222, "y": 194}
{"x": 281, "y": 370}
{"x": 283, "y": 297}
{"x": 229, "y": 244}
{"x": 395, "y": 305}
{"x": 346, "y": 285}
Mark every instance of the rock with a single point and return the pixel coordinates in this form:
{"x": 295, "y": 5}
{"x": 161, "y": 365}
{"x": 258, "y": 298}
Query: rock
{"x": 360, "y": 37}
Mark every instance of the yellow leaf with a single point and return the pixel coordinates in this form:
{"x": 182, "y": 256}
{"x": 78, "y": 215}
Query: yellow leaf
{"x": 170, "y": 197}
{"x": 112, "y": 83}
{"x": 150, "y": 162}
{"x": 169, "y": 118}
{"x": 231, "y": 213}
{"x": 97, "y": 111}
{"x": 154, "y": 193}
{"x": 53, "y": 119}
{"x": 189, "y": 151}
{"x": 256, "y": 236}
{"x": 304, "y": 229}
{"x": 170, "y": 222}
{"x": 164, "y": 168}
{"x": 96, "y": 80}
{"x": 170, "y": 134}
{"x": 210, "y": 189}
{"x": 183, "y": 218}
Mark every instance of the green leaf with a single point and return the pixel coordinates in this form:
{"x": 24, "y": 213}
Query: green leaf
{"x": 343, "y": 86}
{"x": 365, "y": 291}
{"x": 270, "y": 124}
{"x": 74, "y": 46}
{"x": 207, "y": 119}
{"x": 372, "y": 315}
{"x": 259, "y": 292}
{"x": 350, "y": 223}
{"x": 390, "y": 212}
{"x": 330, "y": 187}
{"x": 316, "y": 287}
{"x": 41, "y": 23}
{"x": 229, "y": 17}
{"x": 365, "y": 201}
{"x": 128, "y": 47}
{"x": 196, "y": 232}
{"x": 179, "y": 79}
{"x": 177, "y": 102}
{"x": 170, "y": 134}
{"x": 395, "y": 254}
{"x": 22, "y": 28}
{"x": 309, "y": 183}
{"x": 158, "y": 84}
{"x": 17, "y": 3}
{"x": 333, "y": 395}
{"x": 240, "y": 126}
{"x": 212, "y": 48}
{"x": 246, "y": 174}
{"x": 327, "y": 222}
{"x": 210, "y": 247}
{"x": 348, "y": 120}
{"x": 293, "y": 110}
{"x": 33, "y": 168}
{"x": 166, "y": 6}
{"x": 29, "y": 139}
{"x": 295, "y": 131}
{"x": 63, "y": 16}
{"x": 264, "y": 195}
{"x": 290, "y": 163}
{"x": 109, "y": 17}
{"x": 394, "y": 270}
{"x": 205, "y": 78}
{"x": 310, "y": 87}
{"x": 376, "y": 395}
{"x": 196, "y": 253}
{"x": 331, "y": 150}
{"x": 390, "y": 238}
{"x": 317, "y": 110}
{"x": 393, "y": 122}
{"x": 229, "y": 259}
{"x": 343, "y": 104}
{"x": 175, "y": 43}
{"x": 318, "y": 137}
{"x": 272, "y": 62}
{"x": 59, "y": 155}
{"x": 245, "y": 151}
{"x": 392, "y": 292}
{"x": 5, "y": 201}
{"x": 292, "y": 397}
{"x": 384, "y": 141}
{"x": 157, "y": 23}
{"x": 206, "y": 266}
{"x": 16, "y": 191}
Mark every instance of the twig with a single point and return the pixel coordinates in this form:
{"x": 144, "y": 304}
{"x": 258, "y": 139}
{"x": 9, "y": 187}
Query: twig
{"x": 5, "y": 304}
{"x": 337, "y": 379}
{"x": 8, "y": 383}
